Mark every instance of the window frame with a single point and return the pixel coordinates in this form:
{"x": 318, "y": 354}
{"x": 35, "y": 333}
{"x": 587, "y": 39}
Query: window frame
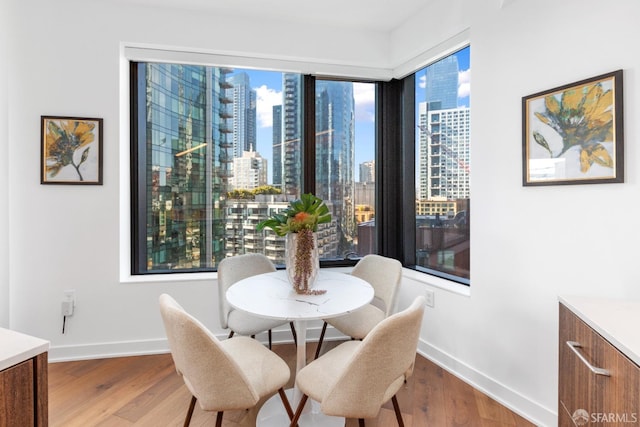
{"x": 139, "y": 180}
{"x": 395, "y": 226}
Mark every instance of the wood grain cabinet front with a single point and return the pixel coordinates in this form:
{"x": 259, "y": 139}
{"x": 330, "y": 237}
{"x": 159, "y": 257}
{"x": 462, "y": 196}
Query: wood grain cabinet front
{"x": 598, "y": 385}
{"x": 23, "y": 393}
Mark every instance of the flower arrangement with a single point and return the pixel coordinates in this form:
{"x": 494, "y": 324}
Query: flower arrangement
{"x": 302, "y": 218}
{"x": 304, "y": 213}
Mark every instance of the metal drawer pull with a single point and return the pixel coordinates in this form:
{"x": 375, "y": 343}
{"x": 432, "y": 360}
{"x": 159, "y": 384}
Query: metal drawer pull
{"x": 598, "y": 371}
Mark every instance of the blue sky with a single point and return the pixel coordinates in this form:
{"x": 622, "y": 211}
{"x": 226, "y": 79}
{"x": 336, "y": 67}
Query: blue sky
{"x": 268, "y": 87}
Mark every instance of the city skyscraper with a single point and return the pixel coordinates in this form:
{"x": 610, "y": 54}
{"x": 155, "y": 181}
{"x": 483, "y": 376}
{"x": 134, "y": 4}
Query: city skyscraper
{"x": 368, "y": 171}
{"x": 444, "y": 135}
{"x": 442, "y": 84}
{"x": 291, "y": 134}
{"x": 276, "y": 179}
{"x": 335, "y": 115}
{"x": 244, "y": 114}
{"x": 444, "y": 153}
{"x": 185, "y": 145}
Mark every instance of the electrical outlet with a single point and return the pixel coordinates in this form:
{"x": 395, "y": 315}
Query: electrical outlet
{"x": 67, "y": 308}
{"x": 69, "y": 302}
{"x": 70, "y": 295}
{"x": 429, "y": 297}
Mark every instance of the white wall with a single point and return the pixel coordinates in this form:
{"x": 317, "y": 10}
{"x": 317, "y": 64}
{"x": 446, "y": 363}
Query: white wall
{"x": 531, "y": 244}
{"x": 528, "y": 244}
{"x": 4, "y": 175}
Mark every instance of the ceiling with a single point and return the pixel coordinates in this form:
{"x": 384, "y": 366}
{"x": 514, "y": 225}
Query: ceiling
{"x": 378, "y": 15}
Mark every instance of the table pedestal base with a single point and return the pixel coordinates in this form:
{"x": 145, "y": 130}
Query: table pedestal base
{"x": 273, "y": 414}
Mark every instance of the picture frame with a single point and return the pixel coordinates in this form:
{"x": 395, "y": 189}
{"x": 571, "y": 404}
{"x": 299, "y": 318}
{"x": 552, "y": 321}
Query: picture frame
{"x": 71, "y": 150}
{"x": 574, "y": 134}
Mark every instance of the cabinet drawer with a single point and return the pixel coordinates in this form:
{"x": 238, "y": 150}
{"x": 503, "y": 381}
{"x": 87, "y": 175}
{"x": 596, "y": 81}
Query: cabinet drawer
{"x": 16, "y": 395}
{"x": 595, "y": 377}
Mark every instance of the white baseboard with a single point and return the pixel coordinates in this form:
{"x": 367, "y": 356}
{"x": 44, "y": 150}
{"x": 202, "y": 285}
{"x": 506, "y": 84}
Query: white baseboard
{"x": 523, "y": 406}
{"x": 513, "y": 400}
{"x": 67, "y": 353}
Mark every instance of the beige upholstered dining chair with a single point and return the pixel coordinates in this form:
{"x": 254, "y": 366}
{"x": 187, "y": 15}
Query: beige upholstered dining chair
{"x": 384, "y": 275}
{"x": 221, "y": 375}
{"x": 232, "y": 270}
{"x": 356, "y": 378}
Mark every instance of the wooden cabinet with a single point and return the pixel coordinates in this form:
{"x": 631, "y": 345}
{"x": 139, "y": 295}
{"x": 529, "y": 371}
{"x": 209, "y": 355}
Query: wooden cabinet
{"x": 23, "y": 380}
{"x": 596, "y": 381}
{"x": 23, "y": 393}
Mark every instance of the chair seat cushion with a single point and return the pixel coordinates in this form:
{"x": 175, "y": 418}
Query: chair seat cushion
{"x": 358, "y": 323}
{"x": 245, "y": 324}
{"x": 265, "y": 370}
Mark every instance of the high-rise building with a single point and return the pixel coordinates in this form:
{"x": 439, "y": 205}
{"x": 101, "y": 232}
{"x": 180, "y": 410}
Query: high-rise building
{"x": 249, "y": 171}
{"x": 186, "y": 151}
{"x": 291, "y": 134}
{"x": 276, "y": 179}
{"x": 244, "y": 114}
{"x": 335, "y": 112}
{"x": 442, "y": 84}
{"x": 444, "y": 153}
{"x": 368, "y": 171}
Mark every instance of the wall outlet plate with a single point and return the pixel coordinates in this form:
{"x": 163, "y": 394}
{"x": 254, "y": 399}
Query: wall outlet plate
{"x": 429, "y": 297}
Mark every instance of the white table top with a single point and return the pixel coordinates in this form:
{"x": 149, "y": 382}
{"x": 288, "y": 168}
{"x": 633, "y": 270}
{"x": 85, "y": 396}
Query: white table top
{"x": 16, "y": 347}
{"x": 616, "y": 320}
{"x": 271, "y": 295}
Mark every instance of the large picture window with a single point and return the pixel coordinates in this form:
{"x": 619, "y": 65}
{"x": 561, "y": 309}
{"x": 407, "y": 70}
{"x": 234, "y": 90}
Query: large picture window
{"x": 443, "y": 164}
{"x": 216, "y": 150}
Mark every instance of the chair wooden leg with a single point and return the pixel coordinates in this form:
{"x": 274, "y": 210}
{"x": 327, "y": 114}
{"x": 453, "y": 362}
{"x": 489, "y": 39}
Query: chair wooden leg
{"x": 269, "y": 333}
{"x": 324, "y": 329}
{"x": 293, "y": 332}
{"x": 296, "y": 417}
{"x": 230, "y": 334}
{"x": 192, "y": 405}
{"x": 219, "y": 419}
{"x": 361, "y": 422}
{"x": 285, "y": 402}
{"x": 396, "y": 408}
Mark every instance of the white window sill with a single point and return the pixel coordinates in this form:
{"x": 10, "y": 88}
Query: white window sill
{"x": 437, "y": 282}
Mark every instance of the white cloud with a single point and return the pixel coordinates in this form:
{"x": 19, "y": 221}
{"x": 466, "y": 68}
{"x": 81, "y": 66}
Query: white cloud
{"x": 464, "y": 83}
{"x": 364, "y": 95}
{"x": 266, "y": 98}
{"x": 422, "y": 82}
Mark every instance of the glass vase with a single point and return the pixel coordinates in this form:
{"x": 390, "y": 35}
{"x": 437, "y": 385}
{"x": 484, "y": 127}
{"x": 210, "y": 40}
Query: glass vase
{"x": 302, "y": 260}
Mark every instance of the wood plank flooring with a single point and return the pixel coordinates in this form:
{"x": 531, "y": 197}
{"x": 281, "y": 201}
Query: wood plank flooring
{"x": 146, "y": 391}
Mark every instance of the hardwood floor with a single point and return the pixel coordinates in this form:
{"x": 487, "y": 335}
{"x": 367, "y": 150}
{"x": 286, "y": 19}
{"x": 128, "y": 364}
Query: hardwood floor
{"x": 146, "y": 391}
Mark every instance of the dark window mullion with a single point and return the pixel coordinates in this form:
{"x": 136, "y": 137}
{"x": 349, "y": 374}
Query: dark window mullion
{"x": 138, "y": 169}
{"x": 390, "y": 226}
{"x": 408, "y": 170}
{"x": 308, "y": 145}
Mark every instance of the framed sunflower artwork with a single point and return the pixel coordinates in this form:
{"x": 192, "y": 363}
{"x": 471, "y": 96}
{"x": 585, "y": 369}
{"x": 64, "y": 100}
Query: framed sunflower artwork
{"x": 574, "y": 134}
{"x": 71, "y": 150}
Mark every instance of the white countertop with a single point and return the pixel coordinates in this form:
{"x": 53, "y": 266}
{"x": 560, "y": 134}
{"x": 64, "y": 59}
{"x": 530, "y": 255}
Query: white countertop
{"x": 16, "y": 347}
{"x": 617, "y": 320}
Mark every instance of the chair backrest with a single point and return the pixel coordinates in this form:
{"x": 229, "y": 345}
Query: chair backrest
{"x": 384, "y": 275}
{"x": 208, "y": 371}
{"x": 378, "y": 368}
{"x": 233, "y": 269}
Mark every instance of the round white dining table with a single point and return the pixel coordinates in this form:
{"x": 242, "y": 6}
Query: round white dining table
{"x": 271, "y": 295}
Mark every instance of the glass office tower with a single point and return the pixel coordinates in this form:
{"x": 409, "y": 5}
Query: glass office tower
{"x": 187, "y": 147}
